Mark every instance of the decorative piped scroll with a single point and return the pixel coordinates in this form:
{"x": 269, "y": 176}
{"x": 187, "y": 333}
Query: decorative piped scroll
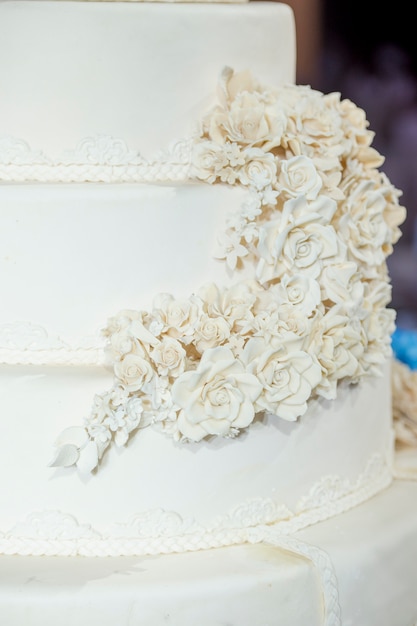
{"x": 99, "y": 158}
{"x": 319, "y": 222}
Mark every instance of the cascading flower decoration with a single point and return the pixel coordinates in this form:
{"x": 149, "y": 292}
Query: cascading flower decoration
{"x": 312, "y": 236}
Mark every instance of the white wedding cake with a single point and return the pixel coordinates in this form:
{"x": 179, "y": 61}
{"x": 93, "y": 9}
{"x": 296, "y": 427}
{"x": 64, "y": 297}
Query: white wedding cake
{"x": 195, "y": 337}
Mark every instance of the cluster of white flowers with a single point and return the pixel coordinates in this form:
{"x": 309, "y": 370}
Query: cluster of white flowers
{"x": 314, "y": 234}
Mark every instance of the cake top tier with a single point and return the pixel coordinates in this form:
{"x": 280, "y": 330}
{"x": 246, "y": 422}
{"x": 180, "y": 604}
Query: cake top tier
{"x": 141, "y": 73}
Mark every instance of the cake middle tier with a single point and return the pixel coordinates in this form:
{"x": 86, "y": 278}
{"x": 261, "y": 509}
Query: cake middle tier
{"x": 75, "y": 255}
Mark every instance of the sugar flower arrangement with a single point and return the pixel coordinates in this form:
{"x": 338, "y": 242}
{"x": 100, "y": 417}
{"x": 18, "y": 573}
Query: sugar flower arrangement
{"x": 308, "y": 304}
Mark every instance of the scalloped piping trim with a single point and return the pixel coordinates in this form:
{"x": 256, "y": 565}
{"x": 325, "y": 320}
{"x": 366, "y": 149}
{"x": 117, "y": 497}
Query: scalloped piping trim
{"x": 99, "y": 158}
{"x": 60, "y": 356}
{"x": 53, "y": 533}
{"x": 25, "y": 343}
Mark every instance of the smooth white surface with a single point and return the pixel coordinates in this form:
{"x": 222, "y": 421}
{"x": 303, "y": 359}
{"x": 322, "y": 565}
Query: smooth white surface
{"x": 239, "y": 586}
{"x": 141, "y": 72}
{"x": 373, "y": 549}
{"x": 74, "y": 255}
{"x": 273, "y": 463}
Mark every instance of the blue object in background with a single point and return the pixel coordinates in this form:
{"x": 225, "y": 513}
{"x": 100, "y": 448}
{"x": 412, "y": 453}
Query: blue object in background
{"x": 404, "y": 345}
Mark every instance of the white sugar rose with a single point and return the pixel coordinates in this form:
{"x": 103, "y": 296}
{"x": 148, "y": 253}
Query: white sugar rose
{"x": 288, "y": 379}
{"x": 338, "y": 342}
{"x": 355, "y": 128}
{"x": 300, "y": 291}
{"x": 304, "y": 249}
{"x": 341, "y": 283}
{"x": 169, "y": 357}
{"x": 121, "y": 343}
{"x": 299, "y": 177}
{"x": 378, "y": 326}
{"x": 308, "y": 248}
{"x": 363, "y": 226}
{"x": 133, "y": 372}
{"x": 177, "y": 317}
{"x": 232, "y": 83}
{"x": 378, "y": 322}
{"x": 208, "y": 160}
{"x": 281, "y": 333}
{"x": 217, "y": 398}
{"x": 128, "y": 333}
{"x": 121, "y": 322}
{"x": 394, "y": 213}
{"x": 293, "y": 321}
{"x": 233, "y": 303}
{"x": 249, "y": 120}
{"x": 117, "y": 329}
{"x": 300, "y": 237}
{"x": 259, "y": 170}
{"x": 300, "y": 211}
{"x": 211, "y": 332}
{"x": 315, "y": 126}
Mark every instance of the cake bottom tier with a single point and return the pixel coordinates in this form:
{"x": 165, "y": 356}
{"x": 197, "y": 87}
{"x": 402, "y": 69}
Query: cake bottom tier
{"x": 357, "y": 569}
{"x": 159, "y": 496}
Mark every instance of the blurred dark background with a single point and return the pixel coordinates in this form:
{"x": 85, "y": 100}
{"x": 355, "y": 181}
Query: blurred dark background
{"x": 369, "y": 55}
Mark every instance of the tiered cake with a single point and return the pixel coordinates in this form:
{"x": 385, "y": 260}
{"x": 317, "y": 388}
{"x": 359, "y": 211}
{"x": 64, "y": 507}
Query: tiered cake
{"x": 194, "y": 332}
